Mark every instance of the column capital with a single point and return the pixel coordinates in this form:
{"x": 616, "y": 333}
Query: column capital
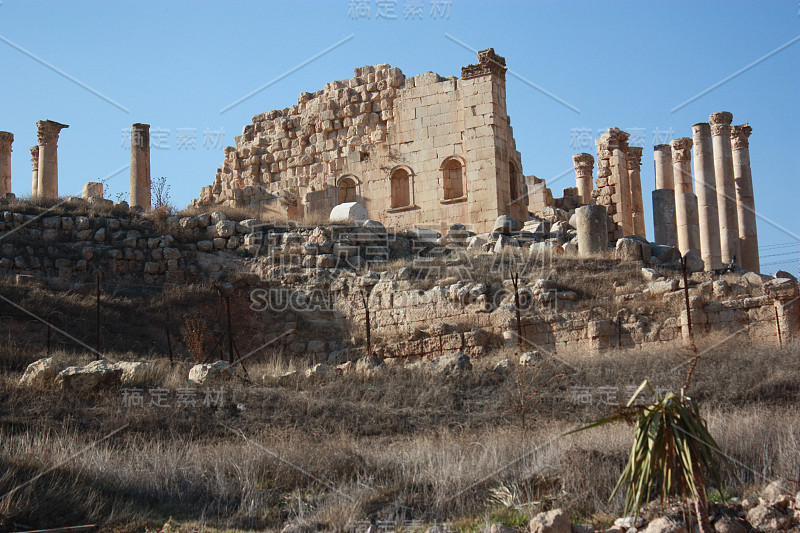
{"x": 584, "y": 163}
{"x": 48, "y": 131}
{"x": 681, "y": 149}
{"x": 739, "y": 136}
{"x": 6, "y": 138}
{"x": 35, "y": 156}
{"x": 720, "y": 122}
{"x": 634, "y": 157}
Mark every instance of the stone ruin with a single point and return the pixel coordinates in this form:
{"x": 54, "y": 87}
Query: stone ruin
{"x": 428, "y": 151}
{"x": 420, "y": 151}
{"x": 44, "y": 160}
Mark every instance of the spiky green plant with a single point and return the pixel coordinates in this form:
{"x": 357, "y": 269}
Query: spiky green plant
{"x": 672, "y": 450}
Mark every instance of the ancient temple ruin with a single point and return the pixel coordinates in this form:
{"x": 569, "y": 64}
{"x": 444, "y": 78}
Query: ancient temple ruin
{"x": 420, "y": 151}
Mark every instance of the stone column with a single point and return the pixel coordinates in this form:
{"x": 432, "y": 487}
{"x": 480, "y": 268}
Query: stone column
{"x": 665, "y": 230}
{"x": 745, "y": 201}
{"x": 48, "y": 131}
{"x": 35, "y": 164}
{"x": 662, "y": 154}
{"x": 140, "y": 166}
{"x": 6, "y": 138}
{"x": 635, "y": 179}
{"x": 584, "y": 164}
{"x": 705, "y": 188}
{"x": 664, "y": 217}
{"x": 685, "y": 200}
{"x": 726, "y": 187}
{"x": 592, "y": 226}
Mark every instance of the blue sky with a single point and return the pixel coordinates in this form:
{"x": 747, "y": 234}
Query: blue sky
{"x": 176, "y": 64}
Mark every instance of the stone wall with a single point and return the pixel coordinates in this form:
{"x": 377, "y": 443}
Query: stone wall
{"x": 421, "y": 151}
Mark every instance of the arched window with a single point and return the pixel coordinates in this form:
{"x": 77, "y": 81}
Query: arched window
{"x": 513, "y": 178}
{"x": 347, "y": 190}
{"x": 453, "y": 179}
{"x": 400, "y": 188}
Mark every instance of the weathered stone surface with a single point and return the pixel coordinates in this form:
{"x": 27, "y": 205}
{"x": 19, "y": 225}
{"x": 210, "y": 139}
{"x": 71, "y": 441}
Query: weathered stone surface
{"x": 694, "y": 263}
{"x": 133, "y": 372}
{"x": 210, "y": 374}
{"x": 95, "y": 375}
{"x": 348, "y": 212}
{"x": 449, "y": 364}
{"x": 505, "y": 225}
{"x": 729, "y": 525}
{"x": 665, "y": 525}
{"x": 592, "y": 225}
{"x": 555, "y": 521}
{"x": 320, "y": 370}
{"x": 629, "y": 249}
{"x": 769, "y": 518}
{"x": 42, "y": 372}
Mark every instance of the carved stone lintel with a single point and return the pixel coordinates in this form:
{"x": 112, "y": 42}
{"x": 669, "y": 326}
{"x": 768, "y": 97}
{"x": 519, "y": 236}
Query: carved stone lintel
{"x": 488, "y": 63}
{"x": 584, "y": 164}
{"x": 6, "y": 138}
{"x": 634, "y": 157}
{"x": 35, "y": 157}
{"x": 48, "y": 131}
{"x": 681, "y": 149}
{"x": 720, "y": 122}
{"x": 739, "y": 136}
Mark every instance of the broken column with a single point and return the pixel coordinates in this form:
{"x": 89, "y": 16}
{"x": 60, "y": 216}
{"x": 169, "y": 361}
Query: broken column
{"x": 635, "y": 179}
{"x": 726, "y": 188}
{"x": 685, "y": 200}
{"x": 140, "y": 166}
{"x": 613, "y": 184}
{"x": 592, "y": 226}
{"x": 584, "y": 164}
{"x": 745, "y": 201}
{"x": 705, "y": 187}
{"x": 35, "y": 164}
{"x": 48, "y": 130}
{"x": 662, "y": 155}
{"x": 665, "y": 231}
{"x": 6, "y": 138}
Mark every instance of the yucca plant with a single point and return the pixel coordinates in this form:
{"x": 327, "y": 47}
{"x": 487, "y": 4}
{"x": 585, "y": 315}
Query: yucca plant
{"x": 672, "y": 450}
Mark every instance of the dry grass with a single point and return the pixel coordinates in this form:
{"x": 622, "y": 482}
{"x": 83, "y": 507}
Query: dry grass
{"x": 399, "y": 444}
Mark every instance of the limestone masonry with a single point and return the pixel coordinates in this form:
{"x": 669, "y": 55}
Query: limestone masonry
{"x": 428, "y": 152}
{"x": 421, "y": 151}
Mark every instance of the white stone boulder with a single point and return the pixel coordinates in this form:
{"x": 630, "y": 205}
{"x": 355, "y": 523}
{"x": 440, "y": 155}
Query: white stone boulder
{"x": 320, "y": 371}
{"x": 348, "y": 212}
{"x": 95, "y": 375}
{"x": 210, "y": 374}
{"x": 42, "y": 372}
{"x": 769, "y": 518}
{"x": 92, "y": 189}
{"x": 133, "y": 371}
{"x": 505, "y": 225}
{"x": 555, "y": 521}
{"x": 449, "y": 364}
{"x": 665, "y": 525}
